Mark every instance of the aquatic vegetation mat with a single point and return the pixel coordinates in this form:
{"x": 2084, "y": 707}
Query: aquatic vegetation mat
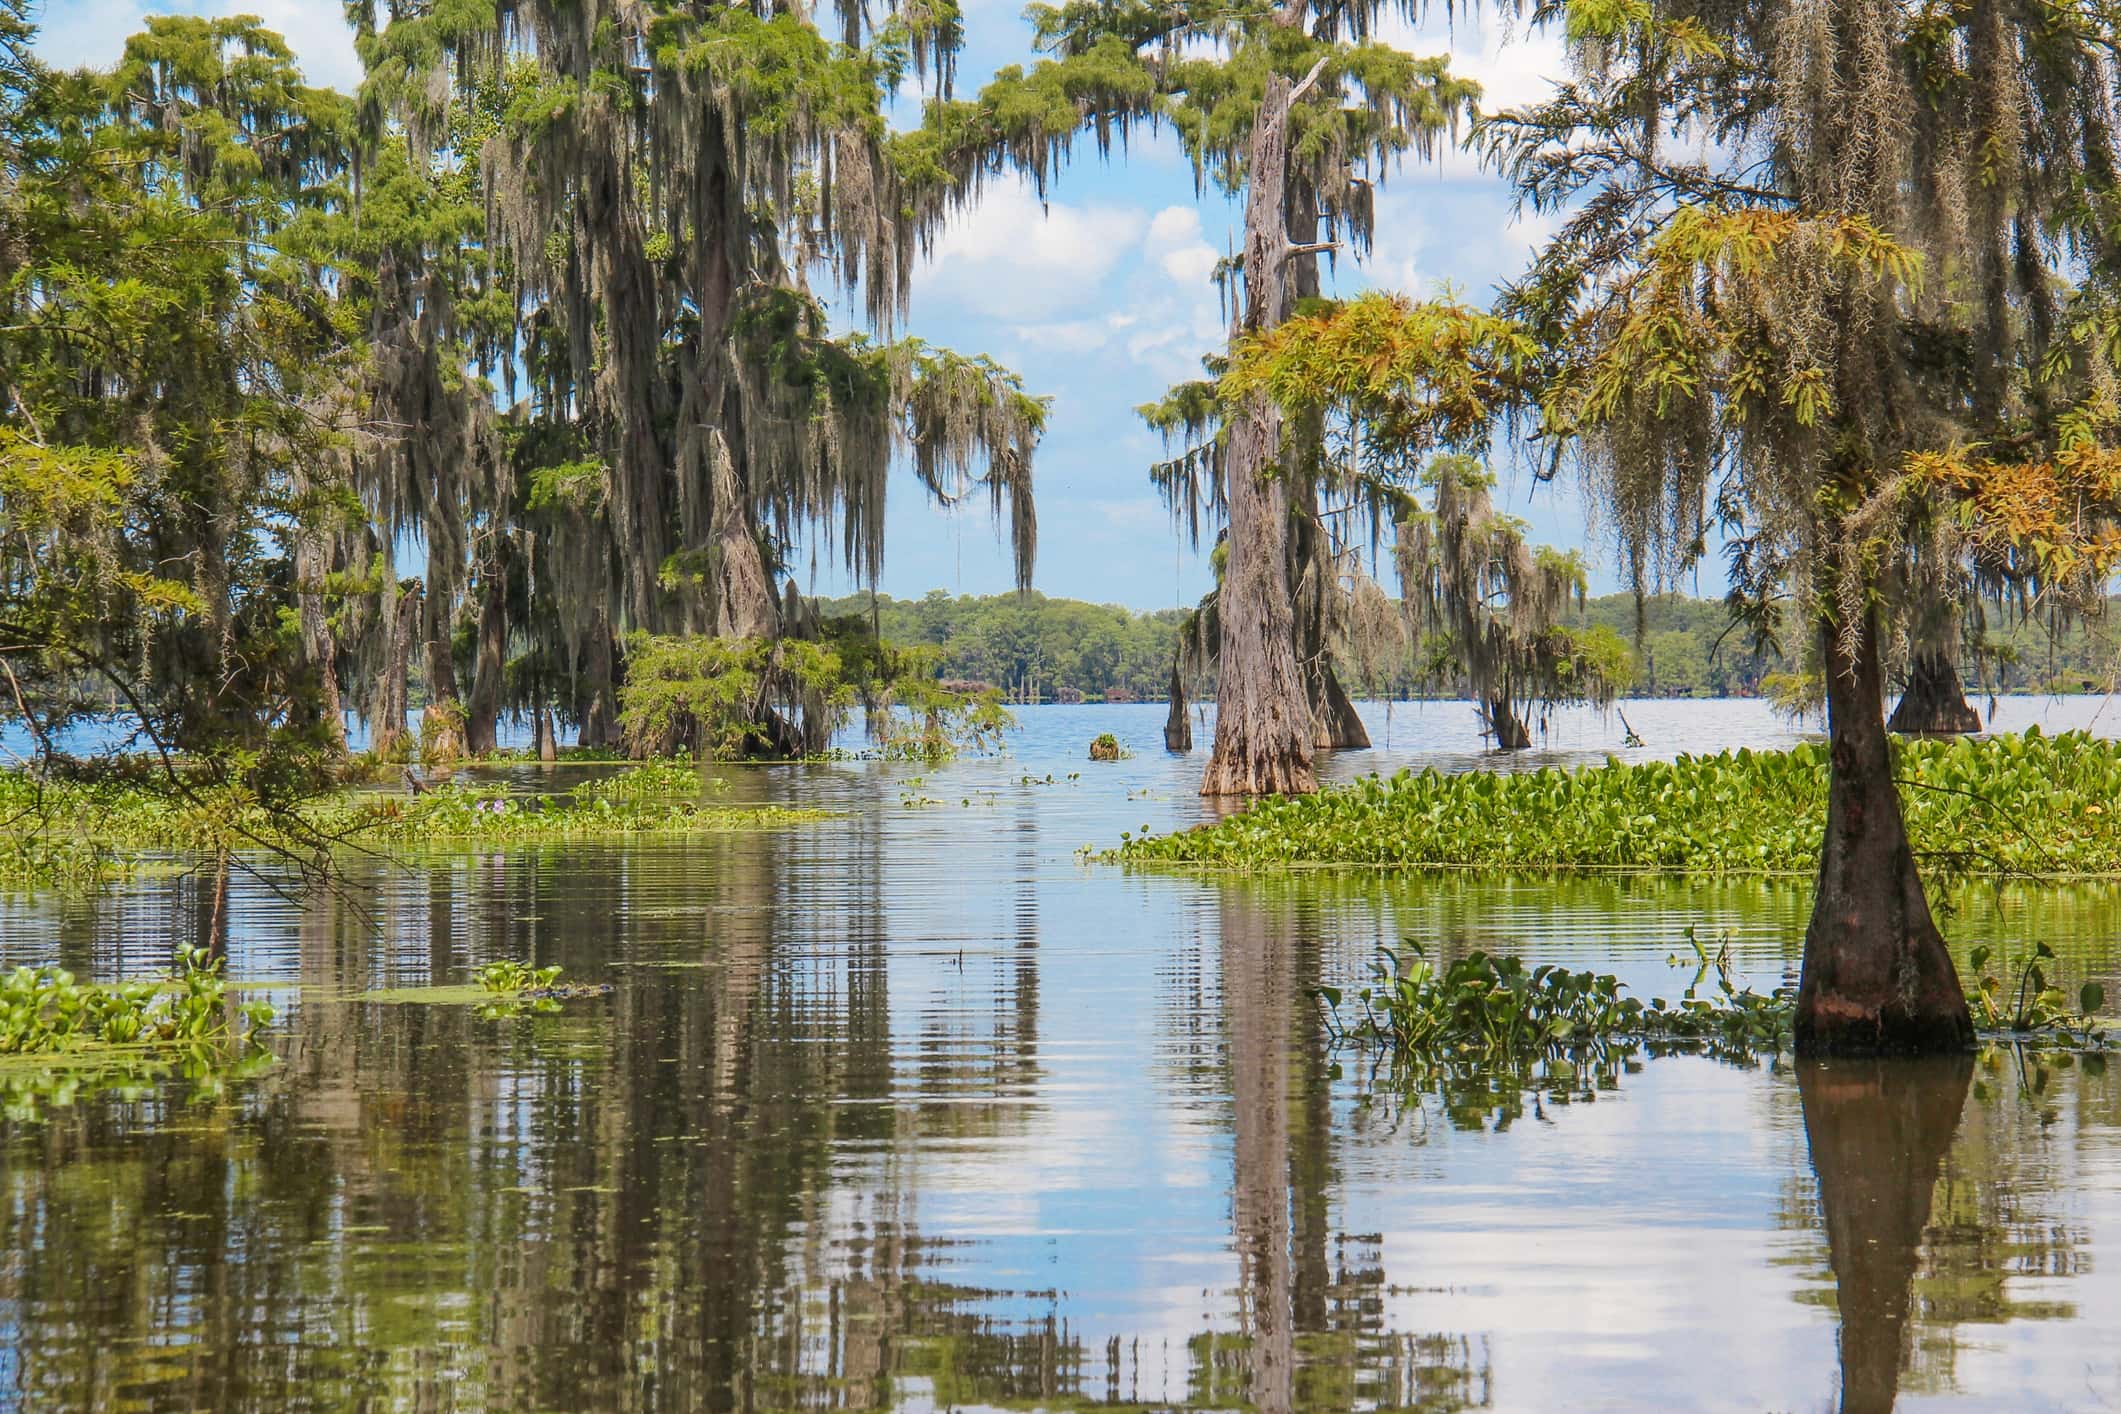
{"x": 79, "y": 832}
{"x": 1482, "y": 1017}
{"x": 503, "y": 988}
{"x": 2024, "y": 805}
{"x": 1480, "y": 1003}
{"x": 61, "y": 1038}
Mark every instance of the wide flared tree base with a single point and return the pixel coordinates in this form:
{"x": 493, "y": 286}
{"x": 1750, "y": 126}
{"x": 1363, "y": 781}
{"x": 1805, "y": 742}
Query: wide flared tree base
{"x": 1935, "y": 713}
{"x": 1339, "y": 725}
{"x": 1239, "y": 773}
{"x": 1934, "y": 704}
{"x": 1839, "y": 1025}
{"x": 1878, "y": 980}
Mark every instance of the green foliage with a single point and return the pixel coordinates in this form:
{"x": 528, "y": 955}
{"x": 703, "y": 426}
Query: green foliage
{"x": 656, "y": 797}
{"x": 46, "y": 1010}
{"x": 728, "y": 698}
{"x": 507, "y": 977}
{"x": 1497, "y": 1008}
{"x": 77, "y": 833}
{"x": 512, "y": 988}
{"x": 2026, "y": 999}
{"x": 2031, "y": 804}
{"x": 180, "y": 363}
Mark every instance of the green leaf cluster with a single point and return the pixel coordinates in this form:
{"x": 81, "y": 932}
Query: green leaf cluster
{"x": 2026, "y": 805}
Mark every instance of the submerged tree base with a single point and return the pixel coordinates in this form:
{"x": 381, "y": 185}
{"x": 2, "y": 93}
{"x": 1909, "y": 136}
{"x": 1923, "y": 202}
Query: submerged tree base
{"x": 1934, "y": 703}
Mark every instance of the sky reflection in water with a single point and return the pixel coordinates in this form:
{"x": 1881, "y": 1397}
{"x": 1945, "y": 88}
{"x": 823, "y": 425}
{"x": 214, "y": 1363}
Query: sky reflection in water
{"x": 921, "y": 1111}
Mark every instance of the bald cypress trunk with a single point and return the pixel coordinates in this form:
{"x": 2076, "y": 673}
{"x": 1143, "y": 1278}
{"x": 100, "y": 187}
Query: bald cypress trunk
{"x": 1339, "y": 725}
{"x": 1506, "y": 727}
{"x": 598, "y": 708}
{"x": 1263, "y": 726}
{"x": 318, "y": 645}
{"x": 387, "y": 732}
{"x": 482, "y": 722}
{"x": 444, "y": 736}
{"x": 1178, "y": 727}
{"x": 744, "y": 602}
{"x": 1935, "y": 703}
{"x": 1877, "y": 978}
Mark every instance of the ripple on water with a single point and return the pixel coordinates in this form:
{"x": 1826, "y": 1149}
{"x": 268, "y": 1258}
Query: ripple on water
{"x": 918, "y": 1109}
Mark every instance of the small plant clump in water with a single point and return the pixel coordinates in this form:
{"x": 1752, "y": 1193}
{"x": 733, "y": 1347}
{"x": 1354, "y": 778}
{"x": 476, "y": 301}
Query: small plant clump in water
{"x": 62, "y": 1039}
{"x": 509, "y": 977}
{"x": 1483, "y": 1010}
{"x": 1106, "y": 747}
{"x": 1483, "y": 1004}
{"x": 2025, "y": 1000}
{"x": 515, "y": 987}
{"x": 45, "y": 1010}
{"x": 2012, "y": 805}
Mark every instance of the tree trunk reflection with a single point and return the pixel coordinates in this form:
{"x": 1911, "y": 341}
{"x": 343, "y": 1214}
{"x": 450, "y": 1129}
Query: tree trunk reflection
{"x": 1878, "y": 1131}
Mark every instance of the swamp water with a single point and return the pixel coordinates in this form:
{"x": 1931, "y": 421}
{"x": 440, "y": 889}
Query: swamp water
{"x": 916, "y": 1110}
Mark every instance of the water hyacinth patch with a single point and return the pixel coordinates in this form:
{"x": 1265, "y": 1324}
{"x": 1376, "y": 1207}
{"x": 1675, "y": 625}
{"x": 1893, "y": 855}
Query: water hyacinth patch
{"x": 45, "y": 1010}
{"x": 76, "y": 833}
{"x": 1484, "y": 1004}
{"x": 2030, "y": 804}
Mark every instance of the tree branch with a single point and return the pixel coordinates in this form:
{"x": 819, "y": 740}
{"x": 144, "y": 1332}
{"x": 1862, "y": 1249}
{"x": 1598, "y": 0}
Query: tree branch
{"x": 1308, "y": 248}
{"x": 1303, "y": 88}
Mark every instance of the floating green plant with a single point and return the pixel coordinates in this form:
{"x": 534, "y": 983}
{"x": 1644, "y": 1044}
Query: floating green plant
{"x": 45, "y": 1009}
{"x": 62, "y": 1039}
{"x": 77, "y": 833}
{"x": 2028, "y": 805}
{"x": 501, "y": 988}
{"x": 1481, "y": 1003}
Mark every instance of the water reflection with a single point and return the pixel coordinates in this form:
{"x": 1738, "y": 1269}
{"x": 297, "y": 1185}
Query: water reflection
{"x": 1878, "y": 1131}
{"x": 920, "y": 1112}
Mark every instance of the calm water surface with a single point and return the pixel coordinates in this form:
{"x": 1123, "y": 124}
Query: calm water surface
{"x": 918, "y": 1110}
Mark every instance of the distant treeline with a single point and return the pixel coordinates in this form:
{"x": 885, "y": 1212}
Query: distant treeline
{"x": 1036, "y": 648}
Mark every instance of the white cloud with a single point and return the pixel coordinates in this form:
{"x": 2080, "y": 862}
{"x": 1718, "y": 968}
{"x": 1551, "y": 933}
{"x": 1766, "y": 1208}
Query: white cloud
{"x": 1014, "y": 259}
{"x": 1174, "y": 242}
{"x": 1068, "y": 336}
{"x": 1514, "y": 64}
{"x": 75, "y": 33}
{"x": 1394, "y": 258}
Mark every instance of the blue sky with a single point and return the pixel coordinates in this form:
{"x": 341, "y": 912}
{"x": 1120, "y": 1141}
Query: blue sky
{"x": 1100, "y": 297}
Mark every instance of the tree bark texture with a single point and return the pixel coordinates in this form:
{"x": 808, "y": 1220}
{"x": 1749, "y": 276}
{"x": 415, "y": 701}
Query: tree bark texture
{"x": 598, "y": 709}
{"x": 1507, "y": 728}
{"x": 744, "y": 601}
{"x": 1935, "y": 703}
{"x": 1178, "y": 727}
{"x": 482, "y": 721}
{"x": 442, "y": 690}
{"x": 1263, "y": 726}
{"x": 1339, "y": 725}
{"x": 1877, "y": 978}
{"x": 388, "y": 730}
{"x": 1878, "y": 1131}
{"x": 318, "y": 647}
